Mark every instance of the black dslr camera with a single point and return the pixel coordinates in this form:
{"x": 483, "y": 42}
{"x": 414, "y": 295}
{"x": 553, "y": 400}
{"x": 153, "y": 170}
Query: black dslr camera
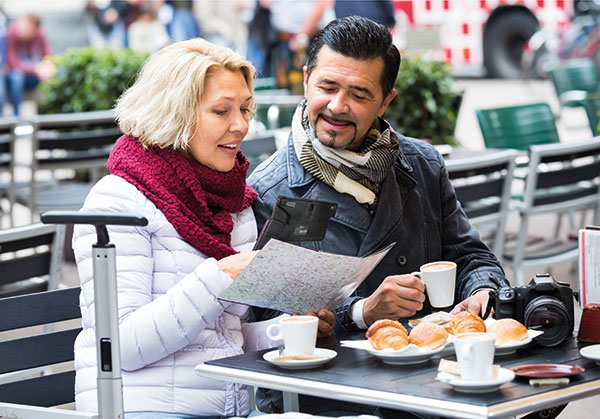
{"x": 543, "y": 304}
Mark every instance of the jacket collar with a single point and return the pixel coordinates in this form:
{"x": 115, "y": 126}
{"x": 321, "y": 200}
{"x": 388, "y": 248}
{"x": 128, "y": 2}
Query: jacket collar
{"x": 392, "y": 196}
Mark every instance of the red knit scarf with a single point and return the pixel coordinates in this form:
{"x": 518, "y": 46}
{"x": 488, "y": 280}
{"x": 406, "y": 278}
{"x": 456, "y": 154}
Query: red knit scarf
{"x": 196, "y": 200}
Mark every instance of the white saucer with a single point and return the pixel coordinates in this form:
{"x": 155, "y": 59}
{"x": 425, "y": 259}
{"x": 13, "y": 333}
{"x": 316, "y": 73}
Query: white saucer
{"x": 408, "y": 356}
{"x": 472, "y": 386}
{"x": 325, "y": 355}
{"x": 591, "y": 352}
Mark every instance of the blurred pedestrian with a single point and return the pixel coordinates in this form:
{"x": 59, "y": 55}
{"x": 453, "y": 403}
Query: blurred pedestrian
{"x": 296, "y": 23}
{"x": 106, "y": 27}
{"x": 26, "y": 48}
{"x": 2, "y": 62}
{"x": 381, "y": 11}
{"x": 223, "y": 23}
{"x": 146, "y": 33}
{"x": 181, "y": 24}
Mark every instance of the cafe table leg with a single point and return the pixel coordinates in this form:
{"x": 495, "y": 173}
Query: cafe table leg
{"x": 290, "y": 402}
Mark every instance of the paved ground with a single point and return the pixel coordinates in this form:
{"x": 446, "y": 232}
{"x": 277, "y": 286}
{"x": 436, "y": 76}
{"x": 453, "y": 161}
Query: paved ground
{"x": 572, "y": 126}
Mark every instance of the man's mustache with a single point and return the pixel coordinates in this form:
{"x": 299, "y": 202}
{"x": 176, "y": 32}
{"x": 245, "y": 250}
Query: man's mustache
{"x": 337, "y": 118}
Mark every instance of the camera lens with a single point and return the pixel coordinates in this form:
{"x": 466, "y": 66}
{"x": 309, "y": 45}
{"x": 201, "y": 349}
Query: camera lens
{"x": 549, "y": 315}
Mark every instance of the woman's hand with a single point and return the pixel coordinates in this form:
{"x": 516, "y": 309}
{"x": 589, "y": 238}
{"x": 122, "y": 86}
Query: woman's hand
{"x": 234, "y": 265}
{"x": 326, "y": 322}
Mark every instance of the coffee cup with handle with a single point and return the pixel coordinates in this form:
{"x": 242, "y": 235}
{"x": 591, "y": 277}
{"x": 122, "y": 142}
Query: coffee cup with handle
{"x": 299, "y": 334}
{"x": 439, "y": 279}
{"x": 475, "y": 355}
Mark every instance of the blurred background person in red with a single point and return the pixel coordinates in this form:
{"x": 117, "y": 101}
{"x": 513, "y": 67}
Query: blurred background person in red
{"x": 26, "y": 48}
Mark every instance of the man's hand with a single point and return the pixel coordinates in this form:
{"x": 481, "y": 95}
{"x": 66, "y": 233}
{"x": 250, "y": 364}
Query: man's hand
{"x": 476, "y": 303}
{"x": 326, "y": 322}
{"x": 398, "y": 296}
{"x": 234, "y": 265}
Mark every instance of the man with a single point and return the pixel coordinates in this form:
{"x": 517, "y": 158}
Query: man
{"x": 26, "y": 47}
{"x": 389, "y": 188}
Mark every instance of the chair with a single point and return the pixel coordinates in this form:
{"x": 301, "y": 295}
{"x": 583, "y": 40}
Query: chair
{"x": 7, "y": 144}
{"x": 592, "y": 110}
{"x": 561, "y": 178}
{"x": 518, "y": 127}
{"x": 30, "y": 397}
{"x": 258, "y": 149}
{"x": 30, "y": 258}
{"x": 67, "y": 141}
{"x": 572, "y": 79}
{"x": 483, "y": 187}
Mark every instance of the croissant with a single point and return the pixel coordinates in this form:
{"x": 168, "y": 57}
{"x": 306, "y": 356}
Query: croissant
{"x": 465, "y": 322}
{"x": 428, "y": 334}
{"x": 506, "y": 330}
{"x": 385, "y": 334}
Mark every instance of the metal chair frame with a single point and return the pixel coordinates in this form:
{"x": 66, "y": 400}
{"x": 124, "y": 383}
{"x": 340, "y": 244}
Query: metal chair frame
{"x": 483, "y": 187}
{"x": 31, "y": 258}
{"x": 67, "y": 141}
{"x": 7, "y": 162}
{"x": 561, "y": 178}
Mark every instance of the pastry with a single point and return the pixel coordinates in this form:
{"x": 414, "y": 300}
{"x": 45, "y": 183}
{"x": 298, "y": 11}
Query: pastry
{"x": 589, "y": 328}
{"x": 465, "y": 322}
{"x": 506, "y": 330}
{"x": 384, "y": 334}
{"x": 428, "y": 334}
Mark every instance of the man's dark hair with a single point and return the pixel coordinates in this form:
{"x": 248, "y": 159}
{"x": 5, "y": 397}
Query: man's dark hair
{"x": 361, "y": 39}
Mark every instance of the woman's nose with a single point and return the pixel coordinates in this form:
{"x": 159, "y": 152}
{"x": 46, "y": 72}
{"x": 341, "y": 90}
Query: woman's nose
{"x": 240, "y": 123}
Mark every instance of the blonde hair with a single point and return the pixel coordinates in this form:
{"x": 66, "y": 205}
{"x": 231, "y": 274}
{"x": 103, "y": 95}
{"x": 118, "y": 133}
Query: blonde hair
{"x": 160, "y": 108}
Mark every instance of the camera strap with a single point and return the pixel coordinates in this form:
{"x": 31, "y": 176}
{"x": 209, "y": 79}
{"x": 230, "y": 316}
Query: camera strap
{"x": 490, "y": 304}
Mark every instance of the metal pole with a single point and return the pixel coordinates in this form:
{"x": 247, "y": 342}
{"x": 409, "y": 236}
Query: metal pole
{"x": 110, "y": 393}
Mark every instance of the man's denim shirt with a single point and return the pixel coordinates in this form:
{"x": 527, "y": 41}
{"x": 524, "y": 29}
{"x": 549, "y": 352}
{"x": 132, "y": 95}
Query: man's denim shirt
{"x": 417, "y": 208}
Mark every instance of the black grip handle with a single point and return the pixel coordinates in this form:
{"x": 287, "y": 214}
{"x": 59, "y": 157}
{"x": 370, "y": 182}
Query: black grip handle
{"x": 75, "y": 217}
{"x": 100, "y": 221}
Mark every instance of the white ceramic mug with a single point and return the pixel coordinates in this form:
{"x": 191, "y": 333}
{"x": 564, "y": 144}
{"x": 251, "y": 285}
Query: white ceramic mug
{"x": 299, "y": 334}
{"x": 475, "y": 355}
{"x": 439, "y": 279}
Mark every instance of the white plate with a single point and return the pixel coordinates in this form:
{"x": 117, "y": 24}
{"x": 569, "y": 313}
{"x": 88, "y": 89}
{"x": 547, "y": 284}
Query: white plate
{"x": 512, "y": 346}
{"x": 472, "y": 386}
{"x": 591, "y": 352}
{"x": 325, "y": 355}
{"x": 411, "y": 355}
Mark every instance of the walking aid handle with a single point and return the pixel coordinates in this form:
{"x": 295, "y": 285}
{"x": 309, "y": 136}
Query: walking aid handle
{"x": 110, "y": 386}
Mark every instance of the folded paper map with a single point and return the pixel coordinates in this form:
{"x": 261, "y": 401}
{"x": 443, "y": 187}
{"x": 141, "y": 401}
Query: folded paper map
{"x": 294, "y": 279}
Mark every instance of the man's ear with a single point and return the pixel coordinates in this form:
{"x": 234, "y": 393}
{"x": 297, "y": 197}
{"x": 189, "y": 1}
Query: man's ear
{"x": 386, "y": 102}
{"x": 305, "y": 70}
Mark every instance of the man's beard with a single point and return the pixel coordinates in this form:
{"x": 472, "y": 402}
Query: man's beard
{"x": 332, "y": 136}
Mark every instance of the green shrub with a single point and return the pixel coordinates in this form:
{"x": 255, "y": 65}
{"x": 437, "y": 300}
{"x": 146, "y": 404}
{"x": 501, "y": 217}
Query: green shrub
{"x": 89, "y": 79}
{"x": 427, "y": 101}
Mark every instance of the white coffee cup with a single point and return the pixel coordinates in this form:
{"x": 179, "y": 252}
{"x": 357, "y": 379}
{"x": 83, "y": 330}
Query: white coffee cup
{"x": 475, "y": 355}
{"x": 299, "y": 334}
{"x": 439, "y": 279}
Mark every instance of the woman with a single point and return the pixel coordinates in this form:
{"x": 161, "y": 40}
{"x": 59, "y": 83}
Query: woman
{"x": 178, "y": 165}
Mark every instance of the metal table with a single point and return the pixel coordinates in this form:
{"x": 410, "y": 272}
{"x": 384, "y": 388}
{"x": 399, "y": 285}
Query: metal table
{"x": 356, "y": 376}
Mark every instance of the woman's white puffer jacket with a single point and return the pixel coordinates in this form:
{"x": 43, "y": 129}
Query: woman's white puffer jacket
{"x": 170, "y": 317}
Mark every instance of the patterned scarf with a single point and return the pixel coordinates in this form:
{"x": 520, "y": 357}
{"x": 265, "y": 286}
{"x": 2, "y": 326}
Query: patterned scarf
{"x": 358, "y": 173}
{"x": 196, "y": 200}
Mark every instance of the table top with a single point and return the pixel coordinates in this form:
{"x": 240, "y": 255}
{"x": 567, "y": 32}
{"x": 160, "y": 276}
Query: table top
{"x": 356, "y": 376}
